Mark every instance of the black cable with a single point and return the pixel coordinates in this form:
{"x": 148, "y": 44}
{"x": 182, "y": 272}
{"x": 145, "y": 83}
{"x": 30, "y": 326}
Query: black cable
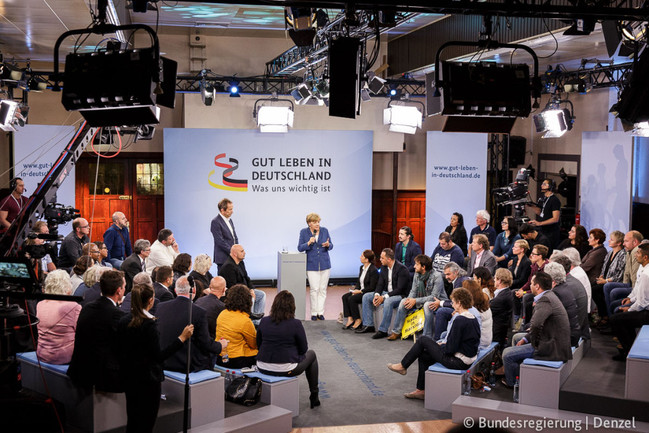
{"x": 556, "y": 43}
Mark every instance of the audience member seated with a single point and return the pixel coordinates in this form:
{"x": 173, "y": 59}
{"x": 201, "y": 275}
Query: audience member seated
{"x": 142, "y": 279}
{"x": 634, "y": 312}
{"x": 481, "y": 254}
{"x": 615, "y": 292}
{"x": 407, "y": 249}
{"x": 593, "y": 261}
{"x": 201, "y": 272}
{"x": 455, "y": 276}
{"x": 212, "y": 303}
{"x": 612, "y": 272}
{"x": 103, "y": 255}
{"x": 534, "y": 237}
{"x": 501, "y": 306}
{"x": 181, "y": 267}
{"x": 520, "y": 270}
{"x": 283, "y": 347}
{"x": 458, "y": 352}
{"x": 368, "y": 277}
{"x": 234, "y": 271}
{"x": 548, "y": 338}
{"x": 141, "y": 359}
{"x": 505, "y": 241}
{"x": 70, "y": 249}
{"x": 558, "y": 274}
{"x": 82, "y": 265}
{"x": 577, "y": 272}
{"x": 578, "y": 239}
{"x": 164, "y": 276}
{"x": 578, "y": 290}
{"x": 95, "y": 359}
{"x": 92, "y": 250}
{"x": 173, "y": 316}
{"x": 136, "y": 262}
{"x": 482, "y": 219}
{"x": 458, "y": 232}
{"x": 485, "y": 280}
{"x": 538, "y": 257}
{"x": 444, "y": 315}
{"x": 393, "y": 285}
{"x": 446, "y": 251}
{"x": 90, "y": 289}
{"x": 163, "y": 251}
{"x": 234, "y": 325}
{"x": 481, "y": 304}
{"x": 426, "y": 286}
{"x": 57, "y": 321}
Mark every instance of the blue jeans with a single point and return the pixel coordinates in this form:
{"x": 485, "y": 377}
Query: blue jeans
{"x": 389, "y": 305}
{"x": 615, "y": 292}
{"x": 442, "y": 317}
{"x": 513, "y": 357}
{"x": 402, "y": 313}
{"x": 429, "y": 316}
{"x": 259, "y": 305}
{"x": 368, "y": 309}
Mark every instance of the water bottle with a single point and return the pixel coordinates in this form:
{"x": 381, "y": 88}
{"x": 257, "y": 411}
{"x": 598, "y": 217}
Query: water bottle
{"x": 516, "y": 385}
{"x": 225, "y": 358}
{"x": 228, "y": 378}
{"x": 492, "y": 375}
{"x": 466, "y": 384}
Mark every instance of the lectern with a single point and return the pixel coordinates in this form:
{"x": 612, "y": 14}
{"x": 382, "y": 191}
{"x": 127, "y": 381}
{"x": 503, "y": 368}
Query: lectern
{"x": 291, "y": 276}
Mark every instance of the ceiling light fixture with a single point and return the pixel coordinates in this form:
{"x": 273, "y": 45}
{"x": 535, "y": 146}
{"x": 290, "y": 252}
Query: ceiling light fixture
{"x": 273, "y": 118}
{"x": 555, "y": 121}
{"x": 403, "y": 118}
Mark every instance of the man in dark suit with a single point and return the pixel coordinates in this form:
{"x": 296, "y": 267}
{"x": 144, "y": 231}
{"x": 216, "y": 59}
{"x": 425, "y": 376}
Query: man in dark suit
{"x": 234, "y": 272}
{"x": 393, "y": 285}
{"x": 563, "y": 292}
{"x": 212, "y": 303}
{"x": 578, "y": 290}
{"x": 549, "y": 335}
{"x": 135, "y": 263}
{"x": 173, "y": 316}
{"x": 164, "y": 277}
{"x": 482, "y": 255}
{"x": 95, "y": 359}
{"x": 501, "y": 306}
{"x": 141, "y": 278}
{"x": 223, "y": 231}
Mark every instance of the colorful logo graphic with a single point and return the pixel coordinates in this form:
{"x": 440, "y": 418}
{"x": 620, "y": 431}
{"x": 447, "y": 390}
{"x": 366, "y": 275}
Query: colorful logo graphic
{"x": 228, "y": 183}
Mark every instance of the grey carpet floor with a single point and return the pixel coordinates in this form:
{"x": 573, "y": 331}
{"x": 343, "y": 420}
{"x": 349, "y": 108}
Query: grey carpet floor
{"x": 355, "y": 385}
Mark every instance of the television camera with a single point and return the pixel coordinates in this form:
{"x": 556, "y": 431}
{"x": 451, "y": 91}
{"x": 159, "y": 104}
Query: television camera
{"x": 516, "y": 194}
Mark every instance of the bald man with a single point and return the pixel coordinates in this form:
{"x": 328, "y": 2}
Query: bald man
{"x": 117, "y": 240}
{"x": 234, "y": 272}
{"x": 212, "y": 303}
{"x": 71, "y": 247}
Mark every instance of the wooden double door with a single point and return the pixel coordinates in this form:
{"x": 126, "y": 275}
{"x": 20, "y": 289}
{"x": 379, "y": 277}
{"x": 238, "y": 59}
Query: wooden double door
{"x": 132, "y": 184}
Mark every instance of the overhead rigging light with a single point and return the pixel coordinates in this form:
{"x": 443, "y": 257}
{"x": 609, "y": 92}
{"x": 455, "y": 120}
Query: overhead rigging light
{"x": 233, "y": 88}
{"x": 554, "y": 121}
{"x": 273, "y": 118}
{"x": 403, "y": 118}
{"x": 301, "y": 24}
{"x": 8, "y": 115}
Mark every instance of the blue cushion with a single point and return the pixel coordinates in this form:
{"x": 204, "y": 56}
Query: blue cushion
{"x": 640, "y": 348}
{"x": 551, "y": 364}
{"x": 483, "y": 352}
{"x": 31, "y": 357}
{"x": 195, "y": 377}
{"x": 439, "y": 368}
{"x": 268, "y": 378}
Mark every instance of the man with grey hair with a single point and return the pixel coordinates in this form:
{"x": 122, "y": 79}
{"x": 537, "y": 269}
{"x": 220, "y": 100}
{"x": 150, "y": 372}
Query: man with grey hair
{"x": 117, "y": 240}
{"x": 563, "y": 292}
{"x": 577, "y": 272}
{"x": 578, "y": 290}
{"x": 614, "y": 292}
{"x": 136, "y": 262}
{"x": 175, "y": 315}
{"x": 141, "y": 279}
{"x": 454, "y": 276}
{"x": 482, "y": 219}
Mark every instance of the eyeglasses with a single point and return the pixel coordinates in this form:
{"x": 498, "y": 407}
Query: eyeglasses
{"x": 83, "y": 227}
{"x": 148, "y": 249}
{"x": 534, "y": 254}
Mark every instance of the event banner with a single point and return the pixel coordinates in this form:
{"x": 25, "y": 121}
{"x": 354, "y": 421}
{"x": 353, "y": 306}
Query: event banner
{"x": 274, "y": 181}
{"x": 605, "y": 187}
{"x": 456, "y": 179}
{"x": 36, "y": 148}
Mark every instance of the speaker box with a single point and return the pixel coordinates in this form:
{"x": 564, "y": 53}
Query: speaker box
{"x": 517, "y": 146}
{"x": 343, "y": 77}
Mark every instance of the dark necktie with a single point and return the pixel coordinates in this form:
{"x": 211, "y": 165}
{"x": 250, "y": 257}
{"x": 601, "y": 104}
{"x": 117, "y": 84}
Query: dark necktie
{"x": 234, "y": 232}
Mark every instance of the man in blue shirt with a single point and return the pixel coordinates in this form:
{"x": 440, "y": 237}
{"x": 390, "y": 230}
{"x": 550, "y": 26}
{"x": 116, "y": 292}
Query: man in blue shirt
{"x": 445, "y": 252}
{"x": 117, "y": 240}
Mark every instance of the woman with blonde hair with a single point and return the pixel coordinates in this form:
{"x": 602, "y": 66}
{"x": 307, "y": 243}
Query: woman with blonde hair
{"x": 316, "y": 242}
{"x": 201, "y": 272}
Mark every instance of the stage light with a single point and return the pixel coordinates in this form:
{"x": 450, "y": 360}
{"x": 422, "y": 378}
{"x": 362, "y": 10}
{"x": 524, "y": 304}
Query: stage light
{"x": 8, "y": 110}
{"x": 402, "y": 118}
{"x": 393, "y": 93}
{"x": 576, "y": 85}
{"x": 554, "y": 122}
{"x": 274, "y": 119}
{"x": 374, "y": 83}
{"x": 302, "y": 94}
{"x": 301, "y": 22}
{"x": 233, "y": 88}
{"x": 207, "y": 92}
{"x": 322, "y": 87}
{"x": 36, "y": 85}
{"x": 365, "y": 95}
{"x": 9, "y": 72}
{"x": 641, "y": 129}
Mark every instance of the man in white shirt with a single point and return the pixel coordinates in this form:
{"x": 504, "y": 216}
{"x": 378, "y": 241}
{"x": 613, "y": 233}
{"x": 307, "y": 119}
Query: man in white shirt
{"x": 163, "y": 251}
{"x": 634, "y": 311}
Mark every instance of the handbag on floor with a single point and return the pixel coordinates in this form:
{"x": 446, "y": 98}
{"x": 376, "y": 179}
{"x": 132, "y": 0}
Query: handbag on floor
{"x": 244, "y": 390}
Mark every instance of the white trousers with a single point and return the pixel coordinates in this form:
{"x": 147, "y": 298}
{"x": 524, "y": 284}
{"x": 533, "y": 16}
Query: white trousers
{"x": 318, "y": 281}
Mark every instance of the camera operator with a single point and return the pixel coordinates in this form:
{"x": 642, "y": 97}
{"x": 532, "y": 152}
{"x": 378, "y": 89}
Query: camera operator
{"x": 548, "y": 210}
{"x": 39, "y": 251}
{"x": 71, "y": 247}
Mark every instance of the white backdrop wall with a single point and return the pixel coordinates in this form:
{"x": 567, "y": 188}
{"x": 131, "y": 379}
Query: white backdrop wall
{"x": 606, "y": 176}
{"x": 270, "y": 212}
{"x": 456, "y": 179}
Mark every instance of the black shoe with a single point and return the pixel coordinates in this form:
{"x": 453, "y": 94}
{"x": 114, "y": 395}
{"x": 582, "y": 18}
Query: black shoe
{"x": 619, "y": 357}
{"x": 379, "y": 334}
{"x": 348, "y": 326}
{"x": 255, "y": 316}
{"x": 314, "y": 318}
{"x": 364, "y": 330}
{"x": 320, "y": 317}
{"x": 315, "y": 401}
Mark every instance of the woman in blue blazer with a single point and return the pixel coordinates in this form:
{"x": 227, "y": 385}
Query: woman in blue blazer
{"x": 316, "y": 242}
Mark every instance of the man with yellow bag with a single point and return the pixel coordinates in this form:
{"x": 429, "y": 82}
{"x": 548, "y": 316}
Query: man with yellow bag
{"x": 427, "y": 285}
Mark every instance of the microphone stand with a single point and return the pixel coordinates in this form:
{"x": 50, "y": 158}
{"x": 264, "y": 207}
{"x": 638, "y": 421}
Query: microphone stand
{"x": 189, "y": 360}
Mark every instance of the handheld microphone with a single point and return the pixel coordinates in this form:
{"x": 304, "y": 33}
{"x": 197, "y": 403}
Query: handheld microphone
{"x": 190, "y": 280}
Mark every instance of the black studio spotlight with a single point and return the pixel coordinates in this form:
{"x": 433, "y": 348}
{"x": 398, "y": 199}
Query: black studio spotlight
{"x": 301, "y": 25}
